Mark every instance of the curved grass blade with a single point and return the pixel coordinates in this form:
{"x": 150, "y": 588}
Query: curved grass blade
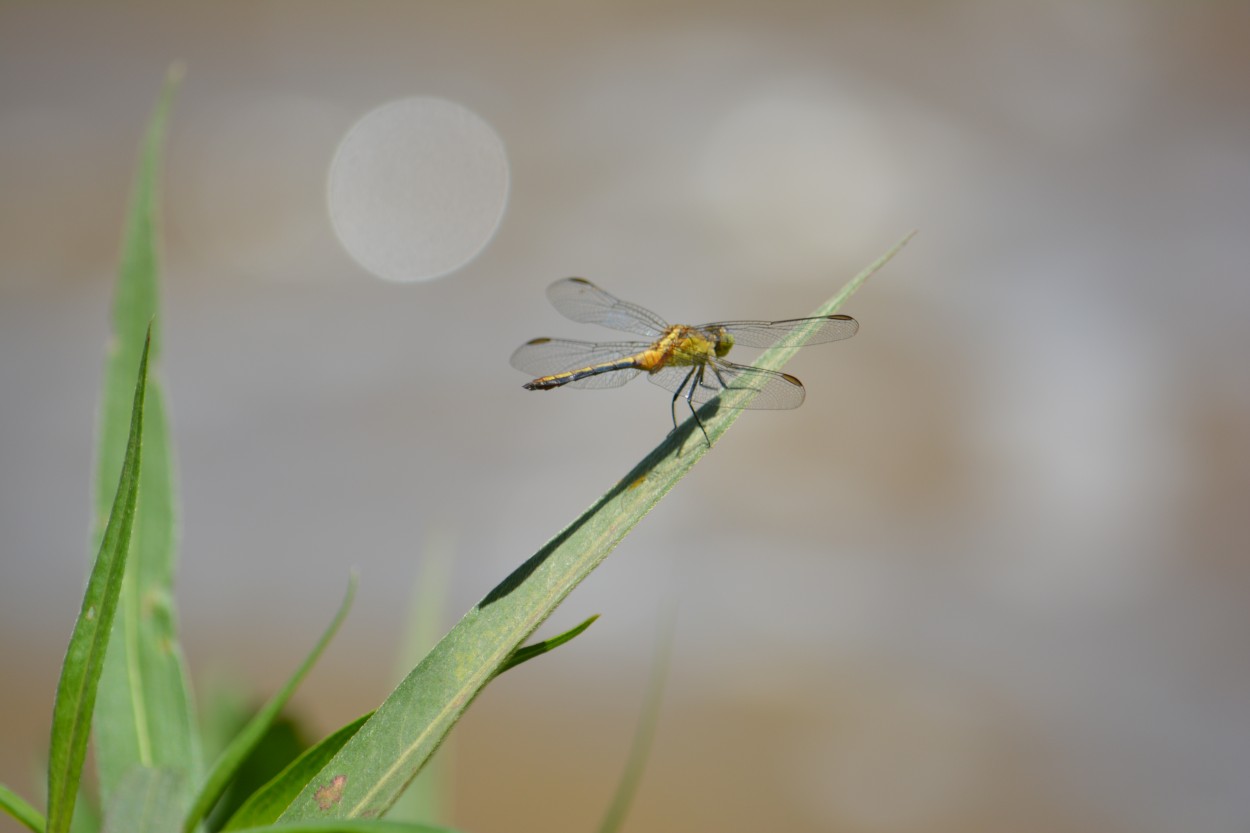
{"x": 266, "y": 804}
{"x": 88, "y": 646}
{"x": 146, "y": 716}
{"x": 21, "y": 810}
{"x": 364, "y": 779}
{"x": 245, "y": 741}
{"x": 145, "y": 802}
{"x": 627, "y": 788}
{"x": 527, "y": 653}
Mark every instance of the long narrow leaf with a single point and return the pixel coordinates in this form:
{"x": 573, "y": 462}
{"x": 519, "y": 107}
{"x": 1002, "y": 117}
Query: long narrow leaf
{"x": 376, "y": 765}
{"x": 21, "y": 810}
{"x": 266, "y": 804}
{"x": 146, "y": 716}
{"x": 84, "y": 661}
{"x": 529, "y": 652}
{"x": 644, "y": 734}
{"x": 246, "y": 740}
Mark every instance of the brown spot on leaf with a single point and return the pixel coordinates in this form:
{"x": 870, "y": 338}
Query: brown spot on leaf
{"x": 331, "y": 793}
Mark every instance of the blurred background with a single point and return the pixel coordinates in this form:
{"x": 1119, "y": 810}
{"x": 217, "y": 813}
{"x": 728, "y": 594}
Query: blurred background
{"x": 991, "y": 576}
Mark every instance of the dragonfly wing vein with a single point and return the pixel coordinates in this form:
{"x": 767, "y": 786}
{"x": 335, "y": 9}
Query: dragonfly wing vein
{"x": 580, "y": 300}
{"x": 545, "y": 356}
{"x": 789, "y": 333}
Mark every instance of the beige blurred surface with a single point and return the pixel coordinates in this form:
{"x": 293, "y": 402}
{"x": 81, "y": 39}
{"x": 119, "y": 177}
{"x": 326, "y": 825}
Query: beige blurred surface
{"x": 991, "y": 576}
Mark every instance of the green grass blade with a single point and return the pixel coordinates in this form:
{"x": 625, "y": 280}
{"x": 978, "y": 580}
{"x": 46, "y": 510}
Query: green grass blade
{"x": 146, "y": 716}
{"x": 145, "y": 802}
{"x": 84, "y": 661}
{"x": 285, "y": 741}
{"x": 429, "y": 798}
{"x": 21, "y": 810}
{"x": 225, "y": 703}
{"x": 379, "y": 762}
{"x": 644, "y": 734}
{"x": 246, "y": 740}
{"x": 266, "y": 804}
{"x": 527, "y": 653}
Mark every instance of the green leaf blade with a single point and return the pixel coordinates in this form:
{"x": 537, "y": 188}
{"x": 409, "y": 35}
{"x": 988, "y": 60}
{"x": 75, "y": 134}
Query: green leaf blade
{"x": 365, "y": 778}
{"x": 84, "y": 661}
{"x": 644, "y": 734}
{"x": 22, "y": 810}
{"x": 265, "y": 805}
{"x": 147, "y": 718}
{"x": 429, "y": 798}
{"x": 529, "y": 652}
{"x": 233, "y": 756}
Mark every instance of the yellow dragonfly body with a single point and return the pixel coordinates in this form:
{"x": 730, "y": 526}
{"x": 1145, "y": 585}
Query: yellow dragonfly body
{"x": 687, "y": 360}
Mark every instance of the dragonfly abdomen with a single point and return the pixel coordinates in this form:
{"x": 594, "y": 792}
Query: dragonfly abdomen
{"x": 558, "y": 379}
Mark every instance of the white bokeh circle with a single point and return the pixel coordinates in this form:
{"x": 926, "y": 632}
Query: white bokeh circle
{"x": 417, "y": 188}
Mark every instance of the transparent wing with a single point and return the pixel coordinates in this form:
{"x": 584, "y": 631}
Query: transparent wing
{"x": 580, "y": 300}
{"x": 549, "y": 356}
{"x": 788, "y": 333}
{"x": 545, "y": 356}
{"x": 775, "y": 391}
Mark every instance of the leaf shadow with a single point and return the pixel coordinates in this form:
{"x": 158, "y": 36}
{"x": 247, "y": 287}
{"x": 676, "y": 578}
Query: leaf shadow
{"x": 672, "y": 445}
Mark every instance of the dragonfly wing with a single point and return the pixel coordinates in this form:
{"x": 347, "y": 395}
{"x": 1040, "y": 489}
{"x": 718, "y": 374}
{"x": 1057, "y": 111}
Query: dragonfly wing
{"x": 774, "y": 391}
{"x": 790, "y": 332}
{"x": 544, "y": 356}
{"x": 580, "y": 300}
{"x": 549, "y": 356}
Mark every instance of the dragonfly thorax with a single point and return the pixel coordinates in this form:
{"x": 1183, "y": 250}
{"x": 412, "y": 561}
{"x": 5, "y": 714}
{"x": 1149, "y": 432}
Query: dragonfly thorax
{"x": 684, "y": 346}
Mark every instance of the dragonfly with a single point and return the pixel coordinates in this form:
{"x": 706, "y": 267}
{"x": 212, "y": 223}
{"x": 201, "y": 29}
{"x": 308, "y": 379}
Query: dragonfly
{"x": 687, "y": 360}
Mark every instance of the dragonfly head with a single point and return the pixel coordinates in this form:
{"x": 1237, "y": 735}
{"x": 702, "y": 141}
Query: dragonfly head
{"x": 724, "y": 342}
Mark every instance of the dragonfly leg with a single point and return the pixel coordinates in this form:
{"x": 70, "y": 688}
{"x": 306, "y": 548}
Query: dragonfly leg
{"x": 677, "y": 395}
{"x": 697, "y": 373}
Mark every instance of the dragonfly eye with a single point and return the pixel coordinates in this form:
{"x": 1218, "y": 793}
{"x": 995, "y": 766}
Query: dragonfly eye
{"x": 724, "y": 342}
